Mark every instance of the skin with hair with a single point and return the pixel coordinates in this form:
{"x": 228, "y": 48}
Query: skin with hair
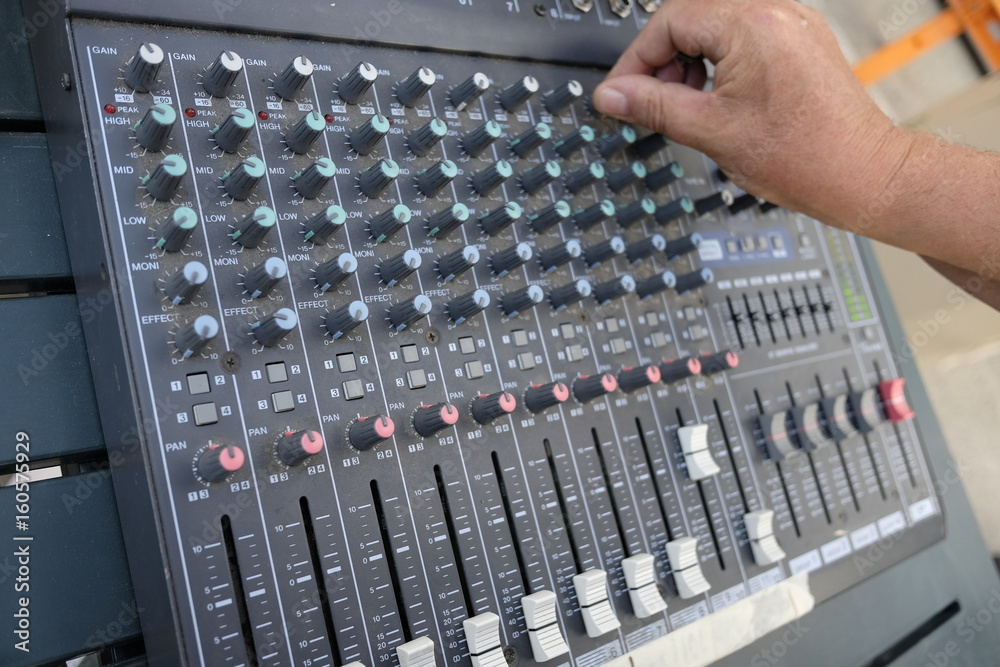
{"x": 787, "y": 121}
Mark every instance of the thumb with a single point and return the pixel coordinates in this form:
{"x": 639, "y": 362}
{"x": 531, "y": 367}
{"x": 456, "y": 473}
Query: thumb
{"x": 675, "y": 110}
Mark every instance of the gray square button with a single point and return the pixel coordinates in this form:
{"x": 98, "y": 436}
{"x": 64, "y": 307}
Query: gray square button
{"x": 354, "y": 389}
{"x": 282, "y": 401}
{"x": 474, "y": 370}
{"x": 205, "y": 414}
{"x": 416, "y": 379}
{"x": 276, "y": 372}
{"x": 346, "y": 362}
{"x": 198, "y": 383}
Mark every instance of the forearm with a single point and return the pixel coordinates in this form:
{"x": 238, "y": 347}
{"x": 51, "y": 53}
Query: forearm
{"x": 985, "y": 289}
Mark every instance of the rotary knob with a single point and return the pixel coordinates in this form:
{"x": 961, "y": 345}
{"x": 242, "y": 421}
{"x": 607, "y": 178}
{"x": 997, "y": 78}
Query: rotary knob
{"x": 296, "y": 446}
{"x": 719, "y": 362}
{"x": 622, "y": 178}
{"x": 406, "y": 313}
{"x": 632, "y": 213}
{"x": 395, "y": 269}
{"x": 293, "y": 78}
{"x": 672, "y": 210}
{"x": 335, "y": 271}
{"x": 153, "y": 130}
{"x": 431, "y": 419}
{"x": 270, "y": 330}
{"x": 365, "y": 137}
{"x": 611, "y": 144}
{"x": 743, "y": 203}
{"x": 165, "y": 179}
{"x": 181, "y": 287}
{"x": 616, "y": 288}
{"x": 261, "y": 279}
{"x": 649, "y": 146}
{"x": 411, "y": 89}
{"x": 574, "y": 141}
{"x": 447, "y": 220}
{"x": 537, "y": 177}
{"x": 664, "y": 176}
{"x": 388, "y": 222}
{"x": 655, "y": 284}
{"x": 193, "y": 337}
{"x": 234, "y": 130}
{"x": 478, "y": 140}
{"x": 588, "y": 387}
{"x": 558, "y": 99}
{"x": 456, "y": 263}
{"x": 682, "y": 246}
{"x": 594, "y": 215}
{"x": 640, "y": 377}
{"x": 434, "y": 179}
{"x": 142, "y": 69}
{"x": 509, "y": 259}
{"x": 596, "y": 255}
{"x": 325, "y": 224}
{"x": 539, "y": 397}
{"x": 518, "y": 93}
{"x": 468, "y": 91}
{"x": 514, "y": 303}
{"x": 566, "y": 295}
{"x": 548, "y": 217}
{"x": 463, "y": 307}
{"x": 217, "y": 462}
{"x": 341, "y": 321}
{"x": 676, "y": 370}
{"x": 424, "y": 138}
{"x": 500, "y": 218}
{"x": 305, "y": 132}
{"x": 310, "y": 181}
{"x": 490, "y": 178}
{"x": 357, "y": 82}
{"x": 530, "y": 139}
{"x": 241, "y": 180}
{"x": 640, "y": 250}
{"x": 176, "y": 228}
{"x": 584, "y": 177}
{"x": 706, "y": 205}
{"x": 694, "y": 280}
{"x": 488, "y": 407}
{"x": 252, "y": 230}
{"x": 554, "y": 257}
{"x": 220, "y": 76}
{"x": 375, "y": 179}
{"x": 366, "y": 432}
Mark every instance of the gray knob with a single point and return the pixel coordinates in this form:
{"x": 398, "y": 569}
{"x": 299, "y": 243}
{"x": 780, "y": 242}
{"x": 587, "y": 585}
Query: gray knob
{"x": 682, "y": 246}
{"x": 388, "y": 222}
{"x": 375, "y": 179}
{"x": 584, "y": 177}
{"x": 252, "y": 230}
{"x": 615, "y": 142}
{"x": 290, "y": 82}
{"x": 567, "y": 295}
{"x": 261, "y": 279}
{"x": 412, "y": 88}
{"x": 395, "y": 269}
{"x": 649, "y": 146}
{"x": 337, "y": 270}
{"x": 640, "y": 250}
{"x": 549, "y": 216}
{"x": 594, "y": 215}
{"x": 234, "y": 130}
{"x": 505, "y": 261}
{"x": 153, "y": 131}
{"x": 407, "y": 313}
{"x": 469, "y": 91}
{"x": 220, "y": 76}
{"x": 193, "y": 337}
{"x": 560, "y": 98}
{"x": 325, "y": 224}
{"x": 621, "y": 178}
{"x": 141, "y": 70}
{"x": 632, "y": 213}
{"x": 490, "y": 178}
{"x": 243, "y": 178}
{"x": 664, "y": 176}
{"x": 447, "y": 220}
{"x": 357, "y": 82}
{"x": 743, "y": 203}
{"x": 165, "y": 179}
{"x": 539, "y": 176}
{"x": 424, "y": 138}
{"x": 481, "y": 138}
{"x": 607, "y": 292}
{"x": 574, "y": 141}
{"x": 598, "y": 254}
{"x": 500, "y": 218}
{"x": 305, "y": 132}
{"x": 434, "y": 179}
{"x": 554, "y": 257}
{"x": 181, "y": 287}
{"x": 176, "y": 228}
{"x": 270, "y": 330}
{"x": 456, "y": 263}
{"x": 310, "y": 181}
{"x": 341, "y": 321}
{"x": 710, "y": 203}
{"x": 655, "y": 284}
{"x": 673, "y": 210}
{"x": 365, "y": 137}
{"x": 514, "y": 303}
{"x": 518, "y": 93}
{"x": 530, "y": 139}
{"x": 463, "y": 307}
{"x": 694, "y": 280}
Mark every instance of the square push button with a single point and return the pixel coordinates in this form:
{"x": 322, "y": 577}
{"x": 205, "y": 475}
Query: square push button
{"x": 520, "y": 337}
{"x": 474, "y": 370}
{"x": 354, "y": 389}
{"x": 205, "y": 414}
{"x": 198, "y": 383}
{"x": 282, "y": 401}
{"x": 346, "y": 362}
{"x": 410, "y": 354}
{"x": 416, "y": 379}
{"x": 467, "y": 345}
{"x": 574, "y": 353}
{"x": 526, "y": 361}
{"x": 276, "y": 372}
{"x": 566, "y": 330}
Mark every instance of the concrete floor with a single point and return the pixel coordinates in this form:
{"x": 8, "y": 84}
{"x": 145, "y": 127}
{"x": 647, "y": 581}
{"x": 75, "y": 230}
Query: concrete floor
{"x": 958, "y": 355}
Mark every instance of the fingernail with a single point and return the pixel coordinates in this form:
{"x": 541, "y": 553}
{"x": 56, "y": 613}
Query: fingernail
{"x": 611, "y": 102}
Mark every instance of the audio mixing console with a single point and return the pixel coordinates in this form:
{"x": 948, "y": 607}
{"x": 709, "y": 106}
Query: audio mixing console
{"x": 411, "y": 357}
